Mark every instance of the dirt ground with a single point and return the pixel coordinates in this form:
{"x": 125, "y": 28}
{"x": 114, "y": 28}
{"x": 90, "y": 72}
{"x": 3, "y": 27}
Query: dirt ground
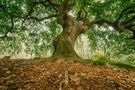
{"x": 60, "y": 75}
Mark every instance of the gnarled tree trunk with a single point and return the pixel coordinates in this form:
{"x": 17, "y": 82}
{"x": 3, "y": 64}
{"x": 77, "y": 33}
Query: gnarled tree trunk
{"x": 64, "y": 43}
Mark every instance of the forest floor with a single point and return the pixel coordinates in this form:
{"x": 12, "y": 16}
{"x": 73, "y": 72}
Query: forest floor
{"x": 48, "y": 75}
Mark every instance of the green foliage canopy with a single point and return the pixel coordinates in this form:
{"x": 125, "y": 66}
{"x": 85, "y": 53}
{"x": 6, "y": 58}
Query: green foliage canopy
{"x": 33, "y": 23}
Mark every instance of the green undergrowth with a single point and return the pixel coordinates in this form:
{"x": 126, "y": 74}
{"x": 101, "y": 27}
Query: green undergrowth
{"x": 102, "y": 59}
{"x": 113, "y": 63}
{"x": 123, "y": 65}
{"x": 99, "y": 58}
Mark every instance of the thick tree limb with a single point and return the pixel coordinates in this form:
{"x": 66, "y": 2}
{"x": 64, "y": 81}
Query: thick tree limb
{"x": 118, "y": 25}
{"x": 99, "y": 22}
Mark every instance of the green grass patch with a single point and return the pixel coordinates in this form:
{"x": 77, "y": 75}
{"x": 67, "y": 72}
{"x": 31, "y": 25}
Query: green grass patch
{"x": 122, "y": 65}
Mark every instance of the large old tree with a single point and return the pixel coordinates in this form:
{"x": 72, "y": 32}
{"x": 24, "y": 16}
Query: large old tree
{"x": 74, "y": 16}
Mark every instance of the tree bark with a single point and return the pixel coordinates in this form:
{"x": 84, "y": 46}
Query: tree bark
{"x": 64, "y": 43}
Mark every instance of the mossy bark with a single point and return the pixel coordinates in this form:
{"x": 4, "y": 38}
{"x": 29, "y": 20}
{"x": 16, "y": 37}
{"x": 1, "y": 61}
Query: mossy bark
{"x": 64, "y": 48}
{"x": 64, "y": 43}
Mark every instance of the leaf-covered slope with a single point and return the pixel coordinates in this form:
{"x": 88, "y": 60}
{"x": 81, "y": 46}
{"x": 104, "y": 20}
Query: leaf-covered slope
{"x": 58, "y": 75}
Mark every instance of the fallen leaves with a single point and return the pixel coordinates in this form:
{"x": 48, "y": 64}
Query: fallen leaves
{"x": 48, "y": 75}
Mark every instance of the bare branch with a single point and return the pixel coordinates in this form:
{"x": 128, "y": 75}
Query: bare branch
{"x": 99, "y": 22}
{"x": 36, "y": 18}
{"x": 82, "y": 10}
{"x": 4, "y": 9}
{"x": 31, "y": 10}
{"x": 10, "y": 29}
{"x": 79, "y": 14}
{"x": 123, "y": 12}
{"x": 129, "y": 20}
{"x": 53, "y": 4}
{"x": 72, "y": 4}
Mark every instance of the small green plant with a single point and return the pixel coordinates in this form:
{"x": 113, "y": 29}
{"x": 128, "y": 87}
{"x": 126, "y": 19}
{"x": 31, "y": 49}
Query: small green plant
{"x": 100, "y": 61}
{"x": 99, "y": 58}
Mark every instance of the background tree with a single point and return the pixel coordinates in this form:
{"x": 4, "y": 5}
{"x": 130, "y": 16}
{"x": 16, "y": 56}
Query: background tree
{"x": 20, "y": 20}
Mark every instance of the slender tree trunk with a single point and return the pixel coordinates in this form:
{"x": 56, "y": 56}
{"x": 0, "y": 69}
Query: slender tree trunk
{"x": 64, "y": 43}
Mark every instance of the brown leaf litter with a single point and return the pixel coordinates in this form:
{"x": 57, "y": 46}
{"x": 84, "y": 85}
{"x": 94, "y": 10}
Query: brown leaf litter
{"x": 48, "y": 75}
